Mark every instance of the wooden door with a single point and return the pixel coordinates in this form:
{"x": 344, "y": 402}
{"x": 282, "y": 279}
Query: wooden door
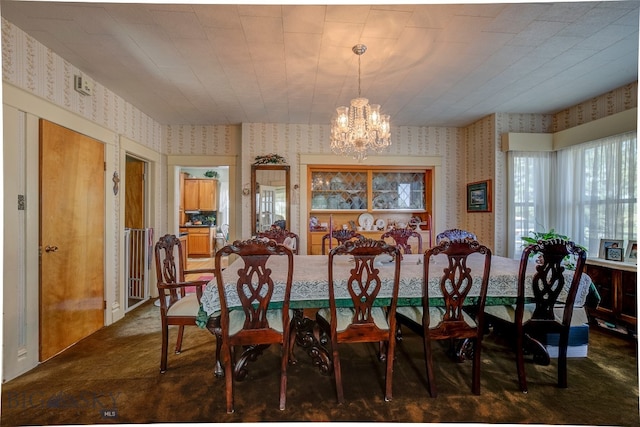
{"x": 134, "y": 193}
{"x": 72, "y": 206}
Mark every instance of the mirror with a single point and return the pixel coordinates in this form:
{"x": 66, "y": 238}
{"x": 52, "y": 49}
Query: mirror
{"x": 269, "y": 196}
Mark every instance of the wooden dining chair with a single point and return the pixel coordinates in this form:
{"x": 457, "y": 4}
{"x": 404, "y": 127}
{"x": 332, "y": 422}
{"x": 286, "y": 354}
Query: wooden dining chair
{"x": 342, "y": 235}
{"x": 280, "y": 235}
{"x": 177, "y": 307}
{"x": 455, "y": 234}
{"x": 401, "y": 238}
{"x": 362, "y": 321}
{"x": 451, "y": 321}
{"x": 551, "y": 310}
{"x": 253, "y": 325}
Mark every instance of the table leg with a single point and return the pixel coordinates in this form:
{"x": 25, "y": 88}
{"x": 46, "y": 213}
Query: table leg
{"x": 308, "y": 336}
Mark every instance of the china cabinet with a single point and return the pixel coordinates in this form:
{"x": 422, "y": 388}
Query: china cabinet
{"x": 367, "y": 199}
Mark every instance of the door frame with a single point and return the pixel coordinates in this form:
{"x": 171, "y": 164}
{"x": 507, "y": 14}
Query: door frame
{"x": 152, "y": 216}
{"x": 175, "y": 163}
{"x": 21, "y": 171}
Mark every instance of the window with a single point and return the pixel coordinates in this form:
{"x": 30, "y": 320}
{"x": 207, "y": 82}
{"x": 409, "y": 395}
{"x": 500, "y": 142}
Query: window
{"x": 587, "y": 192}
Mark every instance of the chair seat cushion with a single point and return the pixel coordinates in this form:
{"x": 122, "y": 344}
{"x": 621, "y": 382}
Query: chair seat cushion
{"x": 274, "y": 317}
{"x": 508, "y": 313}
{"x": 436, "y": 314}
{"x": 345, "y": 317}
{"x": 185, "y": 306}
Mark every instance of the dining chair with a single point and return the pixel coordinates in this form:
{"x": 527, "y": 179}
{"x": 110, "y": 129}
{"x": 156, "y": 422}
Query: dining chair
{"x": 362, "y": 320}
{"x": 177, "y": 306}
{"x": 451, "y": 321}
{"x": 455, "y": 234}
{"x": 285, "y": 237}
{"x": 401, "y": 238}
{"x": 342, "y": 235}
{"x": 253, "y": 325}
{"x": 551, "y": 310}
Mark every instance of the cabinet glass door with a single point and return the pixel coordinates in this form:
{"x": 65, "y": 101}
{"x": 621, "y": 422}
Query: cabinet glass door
{"x": 338, "y": 190}
{"x": 398, "y": 190}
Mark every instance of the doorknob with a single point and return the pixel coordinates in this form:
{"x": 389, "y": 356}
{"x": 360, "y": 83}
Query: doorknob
{"x": 50, "y": 248}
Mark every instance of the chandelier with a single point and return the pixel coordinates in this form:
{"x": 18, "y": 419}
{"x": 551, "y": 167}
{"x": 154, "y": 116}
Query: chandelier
{"x": 357, "y": 129}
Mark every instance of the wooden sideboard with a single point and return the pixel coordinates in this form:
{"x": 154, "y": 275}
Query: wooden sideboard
{"x": 617, "y": 284}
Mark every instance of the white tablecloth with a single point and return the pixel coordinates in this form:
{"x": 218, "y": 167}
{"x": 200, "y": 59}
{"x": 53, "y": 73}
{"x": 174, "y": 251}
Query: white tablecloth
{"x": 310, "y": 280}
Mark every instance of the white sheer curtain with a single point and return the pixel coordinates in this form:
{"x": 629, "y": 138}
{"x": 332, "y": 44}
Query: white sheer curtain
{"x": 596, "y": 191}
{"x": 529, "y": 184}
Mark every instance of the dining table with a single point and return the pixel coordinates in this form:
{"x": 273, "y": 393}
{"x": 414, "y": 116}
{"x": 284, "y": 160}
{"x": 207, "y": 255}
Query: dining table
{"x": 310, "y": 289}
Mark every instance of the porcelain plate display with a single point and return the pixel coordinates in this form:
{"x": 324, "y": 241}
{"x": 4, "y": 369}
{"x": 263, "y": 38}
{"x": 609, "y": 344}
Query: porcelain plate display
{"x": 365, "y": 220}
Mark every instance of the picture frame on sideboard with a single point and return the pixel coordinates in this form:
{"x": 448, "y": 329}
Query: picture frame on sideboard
{"x": 631, "y": 255}
{"x": 606, "y": 253}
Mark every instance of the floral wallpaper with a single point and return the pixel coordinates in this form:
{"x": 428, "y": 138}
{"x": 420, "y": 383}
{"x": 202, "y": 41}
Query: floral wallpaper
{"x": 615, "y": 101}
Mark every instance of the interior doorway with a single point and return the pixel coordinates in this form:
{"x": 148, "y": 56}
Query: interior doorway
{"x": 138, "y": 237}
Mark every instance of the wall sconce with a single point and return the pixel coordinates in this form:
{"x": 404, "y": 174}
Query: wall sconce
{"x": 245, "y": 190}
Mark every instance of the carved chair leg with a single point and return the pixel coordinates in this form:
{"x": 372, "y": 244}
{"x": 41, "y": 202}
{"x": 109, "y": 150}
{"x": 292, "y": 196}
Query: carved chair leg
{"x": 213, "y": 325}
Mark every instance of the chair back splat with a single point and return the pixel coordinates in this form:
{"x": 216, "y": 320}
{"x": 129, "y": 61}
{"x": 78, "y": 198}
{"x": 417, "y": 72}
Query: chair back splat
{"x": 177, "y": 307}
{"x": 285, "y": 237}
{"x": 341, "y": 236}
{"x": 401, "y": 238}
{"x": 254, "y": 325}
{"x": 362, "y": 320}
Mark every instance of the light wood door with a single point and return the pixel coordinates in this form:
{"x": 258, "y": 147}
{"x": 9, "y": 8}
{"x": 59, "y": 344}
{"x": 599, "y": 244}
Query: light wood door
{"x": 134, "y": 194}
{"x": 71, "y": 237}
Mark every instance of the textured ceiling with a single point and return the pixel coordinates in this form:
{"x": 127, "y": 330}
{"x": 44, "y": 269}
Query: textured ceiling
{"x": 427, "y": 65}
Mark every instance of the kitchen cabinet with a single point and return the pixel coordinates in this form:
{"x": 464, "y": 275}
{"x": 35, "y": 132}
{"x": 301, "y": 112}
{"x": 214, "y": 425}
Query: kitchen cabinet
{"x": 616, "y": 283}
{"x": 200, "y": 194}
{"x": 201, "y": 241}
{"x": 391, "y": 195}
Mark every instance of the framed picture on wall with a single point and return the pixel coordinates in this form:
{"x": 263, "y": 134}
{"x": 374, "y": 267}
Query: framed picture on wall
{"x": 479, "y": 196}
{"x": 632, "y": 252}
{"x": 609, "y": 249}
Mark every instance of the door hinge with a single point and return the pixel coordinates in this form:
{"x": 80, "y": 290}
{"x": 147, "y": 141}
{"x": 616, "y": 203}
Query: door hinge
{"x": 105, "y": 166}
{"x": 104, "y": 304}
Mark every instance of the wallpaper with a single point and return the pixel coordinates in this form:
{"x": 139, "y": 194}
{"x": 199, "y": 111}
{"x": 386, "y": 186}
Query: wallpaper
{"x": 615, "y": 101}
{"x": 291, "y": 140}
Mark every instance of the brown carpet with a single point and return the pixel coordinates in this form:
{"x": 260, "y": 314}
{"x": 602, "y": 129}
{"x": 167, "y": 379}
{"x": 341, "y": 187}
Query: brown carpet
{"x": 113, "y": 377}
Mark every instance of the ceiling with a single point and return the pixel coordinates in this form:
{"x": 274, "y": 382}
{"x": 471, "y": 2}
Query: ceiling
{"x": 427, "y": 65}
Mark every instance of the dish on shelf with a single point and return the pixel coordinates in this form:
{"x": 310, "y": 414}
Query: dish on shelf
{"x": 313, "y": 222}
{"x": 319, "y": 202}
{"x": 381, "y": 224}
{"x": 365, "y": 220}
{"x": 337, "y": 183}
{"x": 379, "y": 182}
{"x": 335, "y": 202}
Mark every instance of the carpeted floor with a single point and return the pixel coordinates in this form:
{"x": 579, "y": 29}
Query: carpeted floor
{"x": 113, "y": 377}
